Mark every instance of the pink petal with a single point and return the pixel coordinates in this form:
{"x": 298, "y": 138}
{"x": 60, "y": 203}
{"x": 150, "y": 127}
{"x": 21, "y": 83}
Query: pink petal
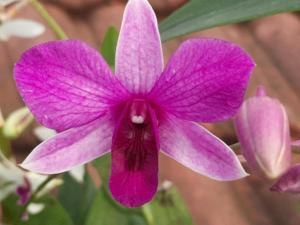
{"x": 139, "y": 59}
{"x": 71, "y": 148}
{"x": 66, "y": 84}
{"x": 289, "y": 182}
{"x": 204, "y": 81}
{"x": 262, "y": 128}
{"x": 134, "y": 180}
{"x": 199, "y": 150}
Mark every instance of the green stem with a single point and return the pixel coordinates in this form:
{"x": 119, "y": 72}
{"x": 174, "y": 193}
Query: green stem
{"x": 5, "y": 146}
{"x": 147, "y": 213}
{"x": 49, "y": 19}
{"x": 35, "y": 193}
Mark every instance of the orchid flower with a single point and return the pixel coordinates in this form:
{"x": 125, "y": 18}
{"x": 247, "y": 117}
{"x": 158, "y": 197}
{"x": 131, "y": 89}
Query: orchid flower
{"x": 263, "y": 131}
{"x": 138, "y": 111}
{"x": 15, "y": 180}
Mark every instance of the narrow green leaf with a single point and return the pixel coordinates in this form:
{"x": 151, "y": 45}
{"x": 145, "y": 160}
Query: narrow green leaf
{"x": 77, "y": 198}
{"x": 108, "y": 48}
{"x": 53, "y": 214}
{"x": 202, "y": 14}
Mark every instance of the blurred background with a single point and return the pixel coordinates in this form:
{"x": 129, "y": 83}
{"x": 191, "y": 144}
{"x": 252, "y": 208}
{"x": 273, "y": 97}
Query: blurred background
{"x": 274, "y": 43}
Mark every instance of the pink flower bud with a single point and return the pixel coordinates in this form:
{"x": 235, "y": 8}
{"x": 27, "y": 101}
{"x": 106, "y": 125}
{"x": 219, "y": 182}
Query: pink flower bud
{"x": 263, "y": 131}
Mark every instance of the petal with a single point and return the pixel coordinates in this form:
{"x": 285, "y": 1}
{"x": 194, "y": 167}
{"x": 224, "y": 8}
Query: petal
{"x": 24, "y": 192}
{"x": 289, "y": 181}
{"x": 44, "y": 133}
{"x": 134, "y": 175}
{"x": 204, "y": 81}
{"x": 196, "y": 148}
{"x": 66, "y": 84}
{"x": 77, "y": 173}
{"x": 35, "y": 208}
{"x": 22, "y": 28}
{"x": 139, "y": 59}
{"x": 262, "y": 128}
{"x": 71, "y": 148}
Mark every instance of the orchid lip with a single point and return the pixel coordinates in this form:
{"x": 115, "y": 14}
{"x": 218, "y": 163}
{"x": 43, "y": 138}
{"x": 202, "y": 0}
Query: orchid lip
{"x": 138, "y": 111}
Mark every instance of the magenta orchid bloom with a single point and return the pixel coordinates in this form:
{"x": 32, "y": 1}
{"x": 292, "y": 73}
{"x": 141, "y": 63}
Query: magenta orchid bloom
{"x": 137, "y": 112}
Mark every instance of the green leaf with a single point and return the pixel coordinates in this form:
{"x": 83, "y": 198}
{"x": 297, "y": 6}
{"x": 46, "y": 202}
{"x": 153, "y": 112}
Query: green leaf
{"x": 202, "y": 14}
{"x": 103, "y": 166}
{"x": 105, "y": 211}
{"x": 108, "y": 48}
{"x": 53, "y": 214}
{"x": 77, "y": 198}
{"x": 168, "y": 208}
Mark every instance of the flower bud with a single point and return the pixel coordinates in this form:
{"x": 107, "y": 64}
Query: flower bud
{"x": 263, "y": 131}
{"x": 17, "y": 122}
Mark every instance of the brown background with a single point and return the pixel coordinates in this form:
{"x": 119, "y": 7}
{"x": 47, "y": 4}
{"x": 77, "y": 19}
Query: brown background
{"x": 274, "y": 42}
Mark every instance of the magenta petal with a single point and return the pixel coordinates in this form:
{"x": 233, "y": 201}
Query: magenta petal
{"x": 196, "y": 148}
{"x": 204, "y": 81}
{"x": 289, "y": 182}
{"x": 24, "y": 192}
{"x": 70, "y": 148}
{"x": 139, "y": 59}
{"x": 134, "y": 175}
{"x": 66, "y": 84}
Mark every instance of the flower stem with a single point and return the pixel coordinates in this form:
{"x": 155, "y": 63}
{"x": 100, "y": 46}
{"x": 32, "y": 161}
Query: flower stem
{"x": 49, "y": 19}
{"x": 36, "y": 192}
{"x": 147, "y": 213}
{"x": 5, "y": 146}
